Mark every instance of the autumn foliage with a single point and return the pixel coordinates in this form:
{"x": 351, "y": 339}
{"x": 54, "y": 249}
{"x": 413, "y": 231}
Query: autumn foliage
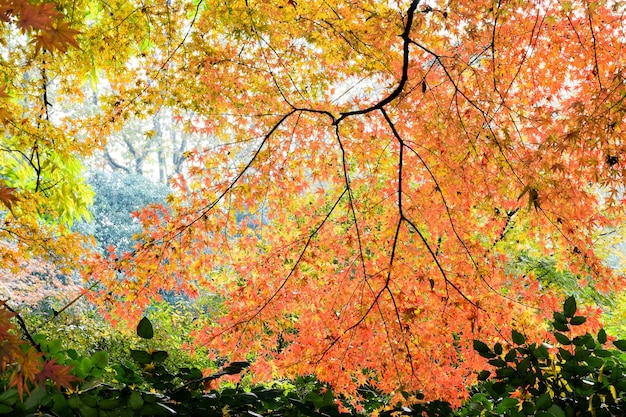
{"x": 369, "y": 171}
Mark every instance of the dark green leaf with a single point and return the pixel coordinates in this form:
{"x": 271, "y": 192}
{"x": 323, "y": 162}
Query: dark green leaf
{"x": 603, "y": 353}
{"x": 35, "y": 398}
{"x": 159, "y": 356}
{"x": 556, "y": 411}
{"x": 497, "y": 362}
{"x": 144, "y": 329}
{"x": 577, "y": 320}
{"x": 601, "y": 336}
{"x": 135, "y": 401}
{"x": 565, "y": 354}
{"x": 561, "y": 338}
{"x": 140, "y": 356}
{"x": 595, "y": 361}
{"x": 581, "y": 340}
{"x": 560, "y": 317}
{"x": 569, "y": 307}
{"x": 561, "y": 327}
{"x": 248, "y": 398}
{"x": 582, "y": 354}
{"x": 497, "y": 349}
{"x": 620, "y": 344}
{"x": 518, "y": 338}
{"x": 510, "y": 356}
{"x": 542, "y": 352}
{"x": 74, "y": 401}
{"x": 87, "y": 411}
{"x": 100, "y": 359}
{"x": 543, "y": 401}
{"x": 483, "y": 375}
{"x": 523, "y": 365}
{"x": 235, "y": 367}
{"x": 506, "y": 404}
{"x": 499, "y": 388}
{"x": 483, "y": 350}
{"x": 108, "y": 403}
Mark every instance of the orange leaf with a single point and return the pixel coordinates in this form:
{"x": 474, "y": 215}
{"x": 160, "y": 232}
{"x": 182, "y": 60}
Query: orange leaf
{"x": 58, "y": 36}
{"x": 25, "y": 369}
{"x": 32, "y": 17}
{"x": 8, "y": 197}
{"x": 59, "y": 374}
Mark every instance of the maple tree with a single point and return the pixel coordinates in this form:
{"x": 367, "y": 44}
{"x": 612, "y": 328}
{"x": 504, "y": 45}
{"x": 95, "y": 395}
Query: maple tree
{"x": 370, "y": 172}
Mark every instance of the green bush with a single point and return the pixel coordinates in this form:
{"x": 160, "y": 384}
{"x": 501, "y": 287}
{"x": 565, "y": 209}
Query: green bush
{"x": 578, "y": 376}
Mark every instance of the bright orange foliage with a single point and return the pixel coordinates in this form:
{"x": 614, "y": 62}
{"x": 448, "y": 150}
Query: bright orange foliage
{"x": 370, "y": 170}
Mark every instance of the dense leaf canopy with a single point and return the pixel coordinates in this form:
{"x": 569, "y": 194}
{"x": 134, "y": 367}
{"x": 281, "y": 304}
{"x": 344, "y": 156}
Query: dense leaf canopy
{"x": 368, "y": 171}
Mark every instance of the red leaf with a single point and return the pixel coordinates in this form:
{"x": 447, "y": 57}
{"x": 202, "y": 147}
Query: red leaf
{"x": 8, "y": 197}
{"x": 58, "y": 36}
{"x": 32, "y": 17}
{"x": 59, "y": 374}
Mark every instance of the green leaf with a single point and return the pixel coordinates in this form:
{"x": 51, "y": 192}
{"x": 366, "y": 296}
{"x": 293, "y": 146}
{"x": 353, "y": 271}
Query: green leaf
{"x": 510, "y": 356}
{"x": 556, "y": 411}
{"x": 561, "y": 327}
{"x": 9, "y": 396}
{"x": 559, "y": 317}
{"x": 518, "y": 338}
{"x": 74, "y": 402}
{"x": 108, "y": 403}
{"x": 569, "y": 307}
{"x": 594, "y": 361}
{"x": 483, "y": 375}
{"x": 86, "y": 411}
{"x": 140, "y": 356}
{"x": 482, "y": 349}
{"x": 620, "y": 344}
{"x": 497, "y": 362}
{"x": 89, "y": 400}
{"x": 35, "y": 398}
{"x": 561, "y": 338}
{"x": 144, "y": 329}
{"x": 577, "y": 320}
{"x": 565, "y": 354}
{"x": 603, "y": 353}
{"x": 506, "y": 404}
{"x": 601, "y": 336}
{"x": 581, "y": 340}
{"x": 100, "y": 359}
{"x": 523, "y": 365}
{"x": 135, "y": 401}
{"x": 543, "y": 401}
{"x": 159, "y": 356}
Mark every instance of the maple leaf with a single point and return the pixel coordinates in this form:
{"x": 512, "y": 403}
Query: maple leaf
{"x": 59, "y": 374}
{"x": 3, "y": 93}
{"x": 25, "y": 369}
{"x": 8, "y": 196}
{"x": 32, "y": 17}
{"x": 57, "y": 37}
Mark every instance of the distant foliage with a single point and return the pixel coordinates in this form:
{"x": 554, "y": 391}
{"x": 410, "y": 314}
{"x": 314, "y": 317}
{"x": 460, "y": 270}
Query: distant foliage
{"x": 117, "y": 196}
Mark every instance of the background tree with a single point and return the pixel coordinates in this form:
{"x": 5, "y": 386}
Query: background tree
{"x": 118, "y": 197}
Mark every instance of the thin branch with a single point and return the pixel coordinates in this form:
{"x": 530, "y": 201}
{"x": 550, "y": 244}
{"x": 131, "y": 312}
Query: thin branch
{"x": 23, "y": 326}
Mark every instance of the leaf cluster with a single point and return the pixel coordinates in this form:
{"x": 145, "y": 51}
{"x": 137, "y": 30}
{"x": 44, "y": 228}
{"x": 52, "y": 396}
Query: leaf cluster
{"x": 579, "y": 375}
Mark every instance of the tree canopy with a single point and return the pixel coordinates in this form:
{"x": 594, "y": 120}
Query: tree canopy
{"x": 364, "y": 176}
